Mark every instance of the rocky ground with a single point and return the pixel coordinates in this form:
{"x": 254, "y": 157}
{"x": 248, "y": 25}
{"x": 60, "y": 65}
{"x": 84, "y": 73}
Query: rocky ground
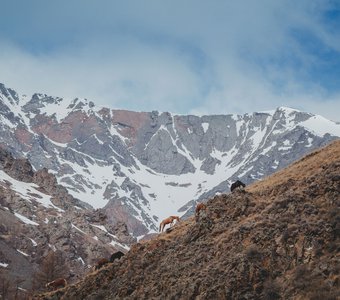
{"x": 279, "y": 239}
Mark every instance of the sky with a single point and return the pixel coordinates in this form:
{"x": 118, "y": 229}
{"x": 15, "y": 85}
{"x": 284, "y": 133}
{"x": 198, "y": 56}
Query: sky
{"x": 181, "y": 56}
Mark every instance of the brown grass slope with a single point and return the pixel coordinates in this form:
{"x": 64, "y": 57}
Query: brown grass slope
{"x": 277, "y": 240}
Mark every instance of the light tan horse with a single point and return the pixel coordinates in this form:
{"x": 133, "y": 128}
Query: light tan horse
{"x": 199, "y": 207}
{"x": 167, "y": 221}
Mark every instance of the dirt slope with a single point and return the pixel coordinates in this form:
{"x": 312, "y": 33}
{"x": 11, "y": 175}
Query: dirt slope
{"x": 277, "y": 240}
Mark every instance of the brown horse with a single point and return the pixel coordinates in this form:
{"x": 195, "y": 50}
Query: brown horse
{"x": 56, "y": 284}
{"x": 199, "y": 207}
{"x": 166, "y": 221}
{"x": 100, "y": 263}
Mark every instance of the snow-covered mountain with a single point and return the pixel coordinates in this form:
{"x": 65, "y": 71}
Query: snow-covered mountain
{"x": 143, "y": 166}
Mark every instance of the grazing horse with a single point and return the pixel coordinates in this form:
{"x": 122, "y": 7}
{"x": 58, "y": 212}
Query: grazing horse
{"x": 100, "y": 263}
{"x": 166, "y": 221}
{"x": 57, "y": 283}
{"x": 237, "y": 184}
{"x": 199, "y": 207}
{"x": 116, "y": 255}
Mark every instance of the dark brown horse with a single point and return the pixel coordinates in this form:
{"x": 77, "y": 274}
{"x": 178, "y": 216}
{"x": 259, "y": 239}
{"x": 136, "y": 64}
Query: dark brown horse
{"x": 237, "y": 184}
{"x": 100, "y": 263}
{"x": 170, "y": 220}
{"x": 199, "y": 207}
{"x": 116, "y": 255}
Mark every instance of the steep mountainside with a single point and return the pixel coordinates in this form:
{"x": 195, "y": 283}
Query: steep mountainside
{"x": 141, "y": 167}
{"x": 279, "y": 239}
{"x": 39, "y": 217}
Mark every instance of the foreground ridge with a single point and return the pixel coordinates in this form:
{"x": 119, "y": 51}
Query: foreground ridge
{"x": 279, "y": 239}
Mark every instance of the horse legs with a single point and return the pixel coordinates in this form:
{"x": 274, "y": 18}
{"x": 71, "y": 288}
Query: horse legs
{"x": 165, "y": 222}
{"x": 161, "y": 227}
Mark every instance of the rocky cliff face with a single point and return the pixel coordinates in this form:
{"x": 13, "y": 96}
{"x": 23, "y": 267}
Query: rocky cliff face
{"x": 38, "y": 217}
{"x": 141, "y": 167}
{"x": 278, "y": 239}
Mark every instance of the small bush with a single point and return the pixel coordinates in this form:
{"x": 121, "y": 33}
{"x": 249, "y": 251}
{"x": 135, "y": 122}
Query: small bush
{"x": 301, "y": 277}
{"x": 323, "y": 294}
{"x": 253, "y": 253}
{"x": 271, "y": 290}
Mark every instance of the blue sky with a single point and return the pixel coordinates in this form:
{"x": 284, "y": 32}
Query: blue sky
{"x": 186, "y": 57}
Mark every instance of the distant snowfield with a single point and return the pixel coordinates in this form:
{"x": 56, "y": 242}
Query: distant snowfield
{"x": 320, "y": 126}
{"x": 25, "y": 220}
{"x": 316, "y": 123}
{"x": 27, "y": 191}
{"x": 23, "y": 253}
{"x": 171, "y": 191}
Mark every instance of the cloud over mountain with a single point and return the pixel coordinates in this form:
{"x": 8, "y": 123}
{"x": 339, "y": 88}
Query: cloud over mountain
{"x": 240, "y": 56}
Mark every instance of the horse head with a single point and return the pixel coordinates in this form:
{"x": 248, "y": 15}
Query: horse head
{"x": 176, "y": 218}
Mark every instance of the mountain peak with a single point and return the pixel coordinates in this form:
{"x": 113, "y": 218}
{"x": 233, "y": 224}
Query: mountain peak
{"x": 287, "y": 109}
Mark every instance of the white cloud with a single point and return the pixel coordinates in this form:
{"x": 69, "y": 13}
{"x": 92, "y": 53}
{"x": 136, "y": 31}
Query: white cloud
{"x": 184, "y": 57}
{"x": 134, "y": 75}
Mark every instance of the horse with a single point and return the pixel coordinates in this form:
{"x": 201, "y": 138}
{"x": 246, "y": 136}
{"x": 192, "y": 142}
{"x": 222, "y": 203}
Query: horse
{"x": 116, "y": 255}
{"x": 170, "y": 220}
{"x": 237, "y": 184}
{"x": 100, "y": 263}
{"x": 57, "y": 283}
{"x": 199, "y": 207}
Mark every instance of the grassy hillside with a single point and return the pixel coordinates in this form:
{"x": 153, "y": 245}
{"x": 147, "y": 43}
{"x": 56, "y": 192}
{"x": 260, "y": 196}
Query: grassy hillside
{"x": 279, "y": 239}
